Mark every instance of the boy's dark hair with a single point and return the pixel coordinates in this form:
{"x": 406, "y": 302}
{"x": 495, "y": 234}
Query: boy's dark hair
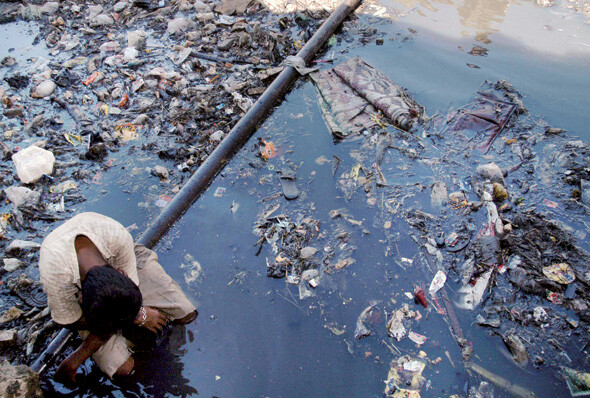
{"x": 110, "y": 300}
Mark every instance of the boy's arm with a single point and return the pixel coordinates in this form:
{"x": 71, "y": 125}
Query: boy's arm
{"x": 66, "y": 372}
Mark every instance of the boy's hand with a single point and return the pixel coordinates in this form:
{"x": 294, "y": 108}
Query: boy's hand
{"x": 66, "y": 372}
{"x": 154, "y": 319}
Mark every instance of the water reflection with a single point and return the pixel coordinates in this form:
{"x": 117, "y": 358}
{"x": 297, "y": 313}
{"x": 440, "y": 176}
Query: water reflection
{"x": 555, "y": 30}
{"x": 481, "y": 15}
{"x": 159, "y": 373}
{"x": 484, "y": 15}
{"x": 161, "y": 369}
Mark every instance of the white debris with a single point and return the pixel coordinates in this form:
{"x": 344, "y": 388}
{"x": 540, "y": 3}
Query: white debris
{"x": 32, "y": 162}
{"x": 43, "y": 89}
{"x": 22, "y": 196}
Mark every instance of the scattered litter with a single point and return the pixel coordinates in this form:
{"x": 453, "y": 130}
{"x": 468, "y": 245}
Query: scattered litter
{"x": 10, "y": 315}
{"x": 549, "y": 203}
{"x": 417, "y": 338}
{"x": 405, "y": 379}
{"x": 561, "y": 273}
{"x": 437, "y": 282}
{"x": 267, "y": 149}
{"x": 219, "y": 192}
{"x": 332, "y": 327}
{"x": 420, "y": 296}
{"x": 288, "y": 180}
{"x": 126, "y": 132}
{"x": 367, "y": 316}
{"x": 163, "y": 201}
{"x": 577, "y": 382}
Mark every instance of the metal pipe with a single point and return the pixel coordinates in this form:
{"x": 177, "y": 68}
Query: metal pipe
{"x": 52, "y": 350}
{"x": 201, "y": 179}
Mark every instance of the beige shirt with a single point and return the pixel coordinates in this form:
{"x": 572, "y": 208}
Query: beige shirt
{"x": 58, "y": 262}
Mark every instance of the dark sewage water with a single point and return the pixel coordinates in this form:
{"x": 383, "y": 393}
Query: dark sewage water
{"x": 254, "y": 335}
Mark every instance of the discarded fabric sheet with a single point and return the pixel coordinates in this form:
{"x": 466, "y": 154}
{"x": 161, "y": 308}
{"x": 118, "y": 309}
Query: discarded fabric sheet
{"x": 487, "y": 115}
{"x": 344, "y": 112}
{"x": 352, "y": 92}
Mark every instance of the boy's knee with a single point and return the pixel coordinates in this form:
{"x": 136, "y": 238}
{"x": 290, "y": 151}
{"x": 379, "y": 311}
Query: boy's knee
{"x": 127, "y": 368}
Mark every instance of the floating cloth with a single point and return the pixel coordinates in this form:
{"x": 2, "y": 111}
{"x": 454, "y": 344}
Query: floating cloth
{"x": 343, "y": 110}
{"x": 377, "y": 89}
{"x": 352, "y": 93}
{"x": 487, "y": 115}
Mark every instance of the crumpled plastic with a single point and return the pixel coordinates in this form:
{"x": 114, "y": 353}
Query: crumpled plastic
{"x": 560, "y": 273}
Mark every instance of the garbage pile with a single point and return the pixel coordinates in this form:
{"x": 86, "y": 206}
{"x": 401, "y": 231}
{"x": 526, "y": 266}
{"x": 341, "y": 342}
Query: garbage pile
{"x": 496, "y": 202}
{"x": 498, "y": 233}
{"x": 291, "y": 242}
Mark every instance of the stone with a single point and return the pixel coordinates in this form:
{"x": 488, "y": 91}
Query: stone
{"x": 5, "y": 151}
{"x": 226, "y": 44}
{"x": 185, "y": 6}
{"x": 10, "y": 315}
{"x": 12, "y": 264}
{"x": 307, "y": 252}
{"x": 161, "y": 172}
{"x": 19, "y": 245}
{"x": 130, "y": 53}
{"x": 93, "y": 11}
{"x": 43, "y": 89}
{"x": 101, "y": 20}
{"x": 209, "y": 29}
{"x": 492, "y": 172}
{"x": 49, "y": 8}
{"x": 136, "y": 39}
{"x": 182, "y": 55}
{"x": 199, "y": 6}
{"x": 7, "y": 337}
{"x": 205, "y": 16}
{"x": 141, "y": 119}
{"x": 194, "y": 35}
{"x": 120, "y": 6}
{"x": 217, "y": 136}
{"x": 32, "y": 163}
{"x": 110, "y": 46}
{"x": 180, "y": 25}
{"x": 30, "y": 12}
{"x": 231, "y": 7}
{"x": 14, "y": 113}
{"x": 19, "y": 381}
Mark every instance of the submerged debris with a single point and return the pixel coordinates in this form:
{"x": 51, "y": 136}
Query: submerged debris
{"x": 290, "y": 242}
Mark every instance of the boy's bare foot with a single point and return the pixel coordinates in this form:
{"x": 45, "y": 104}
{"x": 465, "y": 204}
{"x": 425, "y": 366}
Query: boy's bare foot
{"x": 187, "y": 319}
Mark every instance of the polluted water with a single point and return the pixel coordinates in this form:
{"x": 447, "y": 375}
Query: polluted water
{"x": 436, "y": 246}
